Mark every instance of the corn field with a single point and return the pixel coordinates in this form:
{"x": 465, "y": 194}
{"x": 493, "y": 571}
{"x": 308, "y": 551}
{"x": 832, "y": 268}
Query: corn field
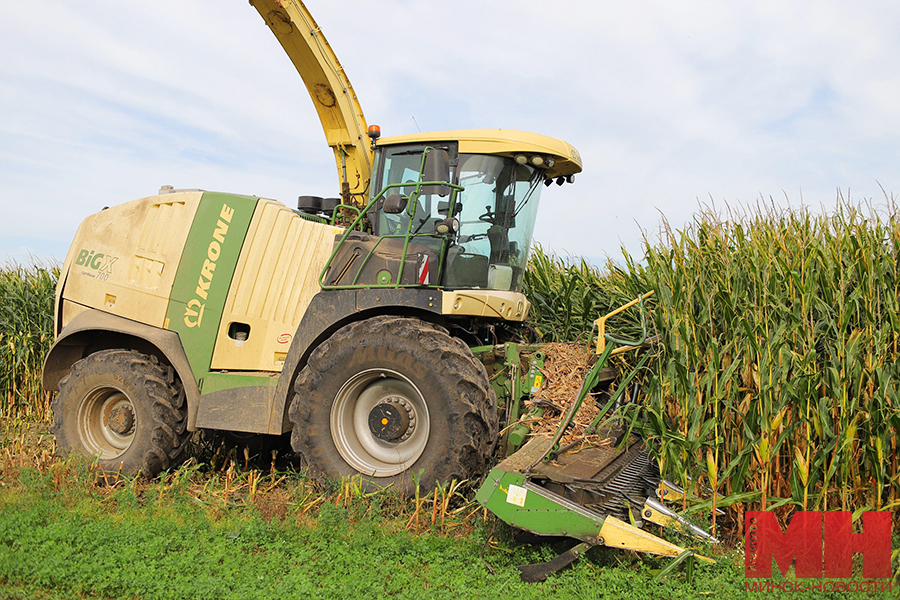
{"x": 776, "y": 378}
{"x": 779, "y": 369}
{"x": 26, "y": 332}
{"x": 567, "y": 296}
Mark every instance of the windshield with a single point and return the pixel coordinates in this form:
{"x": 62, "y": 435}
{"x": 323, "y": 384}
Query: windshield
{"x": 496, "y": 212}
{"x": 499, "y": 206}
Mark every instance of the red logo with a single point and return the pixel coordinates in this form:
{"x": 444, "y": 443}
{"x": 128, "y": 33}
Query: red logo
{"x": 814, "y": 552}
{"x": 284, "y": 338}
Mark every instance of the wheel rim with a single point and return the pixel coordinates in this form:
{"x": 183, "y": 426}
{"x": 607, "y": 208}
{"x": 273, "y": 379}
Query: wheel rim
{"x": 106, "y": 422}
{"x": 371, "y": 398}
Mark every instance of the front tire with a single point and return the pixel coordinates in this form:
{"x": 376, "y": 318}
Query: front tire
{"x": 124, "y": 408}
{"x": 391, "y": 396}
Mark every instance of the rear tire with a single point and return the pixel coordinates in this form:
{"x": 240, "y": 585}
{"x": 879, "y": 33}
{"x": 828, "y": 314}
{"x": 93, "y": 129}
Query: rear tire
{"x": 392, "y": 396}
{"x": 126, "y": 409}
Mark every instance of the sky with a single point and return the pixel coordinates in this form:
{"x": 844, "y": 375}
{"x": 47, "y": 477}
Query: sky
{"x": 674, "y": 107}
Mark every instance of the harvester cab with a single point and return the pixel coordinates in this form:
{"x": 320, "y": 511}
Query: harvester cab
{"x": 453, "y": 210}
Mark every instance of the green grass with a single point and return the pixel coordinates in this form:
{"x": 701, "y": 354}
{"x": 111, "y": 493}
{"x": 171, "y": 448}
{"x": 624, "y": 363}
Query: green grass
{"x": 61, "y": 536}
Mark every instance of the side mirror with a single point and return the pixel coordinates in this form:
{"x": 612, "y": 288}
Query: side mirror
{"x": 437, "y": 168}
{"x": 394, "y": 204}
{"x": 444, "y": 207}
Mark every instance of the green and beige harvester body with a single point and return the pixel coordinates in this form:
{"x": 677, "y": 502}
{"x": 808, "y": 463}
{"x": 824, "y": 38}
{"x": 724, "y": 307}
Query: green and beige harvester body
{"x": 379, "y": 328}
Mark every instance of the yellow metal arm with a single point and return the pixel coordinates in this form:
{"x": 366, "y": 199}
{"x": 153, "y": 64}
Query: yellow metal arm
{"x": 601, "y": 324}
{"x": 619, "y": 534}
{"x": 333, "y": 96}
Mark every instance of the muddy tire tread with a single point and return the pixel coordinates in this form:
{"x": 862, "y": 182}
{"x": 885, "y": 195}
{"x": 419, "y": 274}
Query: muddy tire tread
{"x": 471, "y": 446}
{"x": 168, "y": 438}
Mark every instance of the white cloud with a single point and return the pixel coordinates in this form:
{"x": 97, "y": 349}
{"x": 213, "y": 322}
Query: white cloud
{"x": 668, "y": 103}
